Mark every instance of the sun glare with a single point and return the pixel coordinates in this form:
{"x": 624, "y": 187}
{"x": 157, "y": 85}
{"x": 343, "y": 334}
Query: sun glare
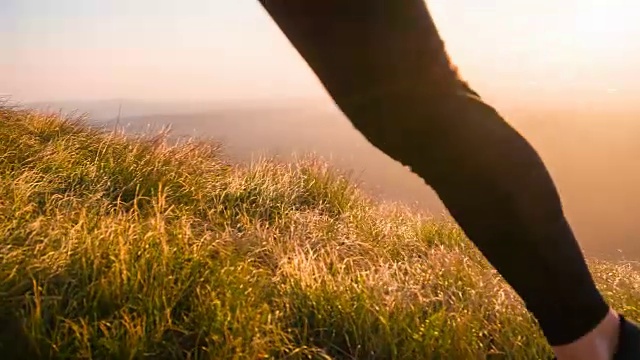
{"x": 600, "y": 28}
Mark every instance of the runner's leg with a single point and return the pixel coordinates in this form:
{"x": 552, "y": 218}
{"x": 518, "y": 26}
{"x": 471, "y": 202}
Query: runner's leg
{"x": 385, "y": 66}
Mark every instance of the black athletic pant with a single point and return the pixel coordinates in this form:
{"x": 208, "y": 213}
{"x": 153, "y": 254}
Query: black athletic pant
{"x": 385, "y": 66}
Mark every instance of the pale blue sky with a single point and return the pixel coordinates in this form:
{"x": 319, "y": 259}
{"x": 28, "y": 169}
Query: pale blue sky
{"x": 219, "y": 49}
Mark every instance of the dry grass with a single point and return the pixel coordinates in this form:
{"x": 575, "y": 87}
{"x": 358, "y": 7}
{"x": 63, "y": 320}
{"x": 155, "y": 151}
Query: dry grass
{"x": 124, "y": 248}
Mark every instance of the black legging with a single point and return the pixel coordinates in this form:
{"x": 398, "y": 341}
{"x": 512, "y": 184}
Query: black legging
{"x": 385, "y": 66}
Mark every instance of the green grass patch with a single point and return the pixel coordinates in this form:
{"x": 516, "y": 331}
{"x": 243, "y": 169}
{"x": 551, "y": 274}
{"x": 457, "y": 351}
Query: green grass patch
{"x": 126, "y": 248}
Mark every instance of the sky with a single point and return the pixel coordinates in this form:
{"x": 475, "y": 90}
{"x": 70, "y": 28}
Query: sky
{"x": 510, "y": 50}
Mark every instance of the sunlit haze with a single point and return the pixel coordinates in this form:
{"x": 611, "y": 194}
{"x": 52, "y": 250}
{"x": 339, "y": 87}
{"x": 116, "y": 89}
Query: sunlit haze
{"x": 563, "y": 72}
{"x": 524, "y": 51}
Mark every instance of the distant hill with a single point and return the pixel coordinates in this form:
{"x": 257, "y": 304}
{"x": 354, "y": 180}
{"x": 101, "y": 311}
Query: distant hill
{"x": 594, "y": 155}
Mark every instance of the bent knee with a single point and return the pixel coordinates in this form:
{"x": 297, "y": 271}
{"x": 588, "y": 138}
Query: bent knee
{"x": 415, "y": 129}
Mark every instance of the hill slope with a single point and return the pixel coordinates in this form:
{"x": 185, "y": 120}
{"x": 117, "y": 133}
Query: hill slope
{"x": 114, "y": 247}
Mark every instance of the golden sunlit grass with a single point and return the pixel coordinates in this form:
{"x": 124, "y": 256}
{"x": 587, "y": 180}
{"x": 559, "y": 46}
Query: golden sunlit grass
{"x": 115, "y": 247}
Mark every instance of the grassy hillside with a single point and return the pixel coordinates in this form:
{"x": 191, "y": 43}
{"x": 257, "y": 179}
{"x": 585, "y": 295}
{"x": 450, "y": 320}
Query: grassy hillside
{"x": 126, "y": 248}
